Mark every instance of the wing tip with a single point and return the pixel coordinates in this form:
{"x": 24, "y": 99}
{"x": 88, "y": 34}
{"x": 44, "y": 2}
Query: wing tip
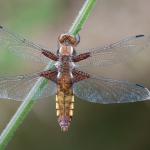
{"x": 141, "y": 35}
{"x": 1, "y": 27}
{"x": 140, "y": 86}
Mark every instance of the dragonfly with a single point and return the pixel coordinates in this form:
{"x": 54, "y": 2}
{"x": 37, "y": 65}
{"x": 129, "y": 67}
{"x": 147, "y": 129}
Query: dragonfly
{"x": 65, "y": 79}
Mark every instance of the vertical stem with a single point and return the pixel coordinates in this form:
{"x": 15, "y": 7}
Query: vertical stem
{"x": 39, "y": 85}
{"x": 82, "y": 16}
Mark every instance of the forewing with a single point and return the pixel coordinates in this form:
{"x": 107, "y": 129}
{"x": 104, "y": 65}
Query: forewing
{"x": 116, "y": 52}
{"x": 21, "y": 47}
{"x": 18, "y": 87}
{"x": 105, "y": 90}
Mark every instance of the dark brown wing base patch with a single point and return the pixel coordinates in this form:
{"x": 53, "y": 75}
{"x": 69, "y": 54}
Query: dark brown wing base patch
{"x": 81, "y": 57}
{"x": 79, "y": 75}
{"x": 50, "y": 55}
{"x": 50, "y": 74}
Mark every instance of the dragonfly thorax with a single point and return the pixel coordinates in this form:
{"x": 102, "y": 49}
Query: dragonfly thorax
{"x": 66, "y": 50}
{"x": 65, "y": 64}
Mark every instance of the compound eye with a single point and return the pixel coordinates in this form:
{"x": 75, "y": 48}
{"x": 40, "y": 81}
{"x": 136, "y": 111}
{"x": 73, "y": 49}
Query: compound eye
{"x": 62, "y": 38}
{"x": 72, "y": 41}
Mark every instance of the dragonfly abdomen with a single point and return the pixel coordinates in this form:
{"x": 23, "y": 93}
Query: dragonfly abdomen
{"x": 64, "y": 103}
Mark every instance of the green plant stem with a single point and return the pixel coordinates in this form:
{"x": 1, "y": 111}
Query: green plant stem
{"x": 39, "y": 85}
{"x": 82, "y": 16}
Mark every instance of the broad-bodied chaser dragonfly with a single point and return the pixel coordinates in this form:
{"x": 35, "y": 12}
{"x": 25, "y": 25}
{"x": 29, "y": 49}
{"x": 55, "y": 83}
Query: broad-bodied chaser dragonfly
{"x": 65, "y": 79}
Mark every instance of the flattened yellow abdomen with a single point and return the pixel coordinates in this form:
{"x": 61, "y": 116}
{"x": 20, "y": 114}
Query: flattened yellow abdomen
{"x": 64, "y": 107}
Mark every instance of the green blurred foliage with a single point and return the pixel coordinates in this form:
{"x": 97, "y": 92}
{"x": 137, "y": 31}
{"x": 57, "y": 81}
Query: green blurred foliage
{"x": 27, "y": 17}
{"x": 94, "y": 126}
{"x": 29, "y": 14}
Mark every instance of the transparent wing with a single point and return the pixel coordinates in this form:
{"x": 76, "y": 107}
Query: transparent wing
{"x": 21, "y": 47}
{"x": 18, "y": 87}
{"x": 104, "y": 90}
{"x": 116, "y": 52}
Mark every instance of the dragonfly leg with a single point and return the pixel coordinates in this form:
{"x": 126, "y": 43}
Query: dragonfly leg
{"x": 78, "y": 41}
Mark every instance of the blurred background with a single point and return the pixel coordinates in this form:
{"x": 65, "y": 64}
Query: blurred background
{"x": 94, "y": 126}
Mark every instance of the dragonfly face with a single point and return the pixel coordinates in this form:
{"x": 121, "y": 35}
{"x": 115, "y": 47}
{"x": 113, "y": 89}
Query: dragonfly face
{"x": 67, "y": 39}
{"x": 65, "y": 79}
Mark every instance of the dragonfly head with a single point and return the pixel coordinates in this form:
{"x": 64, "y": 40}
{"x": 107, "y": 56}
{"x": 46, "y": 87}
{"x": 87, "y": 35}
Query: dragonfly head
{"x": 67, "y": 39}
